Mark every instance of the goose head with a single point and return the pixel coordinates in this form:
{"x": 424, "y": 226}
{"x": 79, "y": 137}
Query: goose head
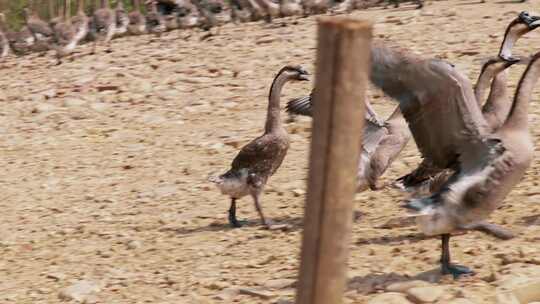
{"x": 524, "y": 23}
{"x": 296, "y": 72}
{"x": 26, "y": 13}
{"x": 120, "y": 5}
{"x": 531, "y": 21}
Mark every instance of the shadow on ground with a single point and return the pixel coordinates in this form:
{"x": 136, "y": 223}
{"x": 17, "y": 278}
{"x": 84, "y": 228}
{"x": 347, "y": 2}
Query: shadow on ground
{"x": 285, "y": 223}
{"x": 372, "y": 283}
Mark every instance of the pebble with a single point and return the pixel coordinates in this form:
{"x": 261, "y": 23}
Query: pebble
{"x": 79, "y": 291}
{"x": 72, "y": 102}
{"x": 99, "y": 106}
{"x": 43, "y": 108}
{"x": 404, "y": 286}
{"x": 298, "y": 192}
{"x": 165, "y": 191}
{"x": 461, "y": 301}
{"x": 49, "y": 93}
{"x": 266, "y": 40}
{"x": 428, "y": 294}
{"x": 56, "y": 276}
{"x": 506, "y": 298}
{"x": 283, "y": 301}
{"x": 227, "y": 294}
{"x": 281, "y": 227}
{"x": 389, "y": 298}
{"x": 260, "y": 293}
{"x": 133, "y": 244}
{"x": 528, "y": 292}
{"x": 398, "y": 222}
{"x": 280, "y": 283}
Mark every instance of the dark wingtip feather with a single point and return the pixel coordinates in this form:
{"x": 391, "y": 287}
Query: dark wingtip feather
{"x": 300, "y": 106}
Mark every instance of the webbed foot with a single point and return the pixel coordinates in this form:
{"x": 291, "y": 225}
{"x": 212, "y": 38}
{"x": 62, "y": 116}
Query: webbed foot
{"x": 456, "y": 270}
{"x": 236, "y": 223}
{"x": 267, "y": 223}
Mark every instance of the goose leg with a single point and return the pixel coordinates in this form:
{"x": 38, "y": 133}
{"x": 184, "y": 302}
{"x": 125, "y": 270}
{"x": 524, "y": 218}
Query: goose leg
{"x": 94, "y": 44}
{"x": 232, "y": 215}
{"x": 259, "y": 209}
{"x": 446, "y": 267}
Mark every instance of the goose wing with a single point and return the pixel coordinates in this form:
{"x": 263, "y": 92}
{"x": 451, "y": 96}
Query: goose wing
{"x": 436, "y": 100}
{"x": 300, "y": 106}
{"x": 374, "y": 130}
{"x": 262, "y": 156}
{"x": 304, "y": 106}
{"x": 40, "y": 27}
{"x": 471, "y": 195}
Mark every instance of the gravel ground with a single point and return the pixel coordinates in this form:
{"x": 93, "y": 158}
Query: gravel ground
{"x": 105, "y": 161}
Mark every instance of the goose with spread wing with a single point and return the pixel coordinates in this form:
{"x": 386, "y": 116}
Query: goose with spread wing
{"x": 448, "y": 127}
{"x": 497, "y": 106}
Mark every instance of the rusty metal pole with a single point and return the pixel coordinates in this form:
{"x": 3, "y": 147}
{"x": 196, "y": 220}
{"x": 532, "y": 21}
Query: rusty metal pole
{"x": 343, "y": 59}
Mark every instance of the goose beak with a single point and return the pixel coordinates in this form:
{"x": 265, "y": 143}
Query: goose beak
{"x": 534, "y": 24}
{"x": 303, "y": 77}
{"x": 531, "y": 21}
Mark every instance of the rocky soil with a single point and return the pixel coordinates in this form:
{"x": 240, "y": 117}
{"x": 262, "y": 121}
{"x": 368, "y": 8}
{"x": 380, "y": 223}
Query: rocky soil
{"x": 105, "y": 162}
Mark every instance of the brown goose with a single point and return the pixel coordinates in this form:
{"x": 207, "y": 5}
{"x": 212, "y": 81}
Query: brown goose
{"x": 271, "y": 9}
{"x": 257, "y": 11}
{"x": 291, "y": 8}
{"x": 427, "y": 177}
{"x": 207, "y": 17}
{"x": 260, "y": 159}
{"x": 314, "y": 7}
{"x": 65, "y": 34}
{"x": 137, "y": 21}
{"x": 240, "y": 11}
{"x": 496, "y": 108}
{"x": 448, "y": 126}
{"x": 122, "y": 19}
{"x": 342, "y": 7}
{"x": 39, "y": 28}
{"x": 4, "y": 41}
{"x": 171, "y": 22}
{"x": 155, "y": 22}
{"x": 222, "y": 11}
{"x": 419, "y": 3}
{"x": 81, "y": 22}
{"x": 103, "y": 24}
{"x": 381, "y": 142}
{"x": 188, "y": 14}
{"x": 21, "y": 42}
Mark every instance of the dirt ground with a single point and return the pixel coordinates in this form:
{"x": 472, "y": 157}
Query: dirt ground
{"x": 105, "y": 163}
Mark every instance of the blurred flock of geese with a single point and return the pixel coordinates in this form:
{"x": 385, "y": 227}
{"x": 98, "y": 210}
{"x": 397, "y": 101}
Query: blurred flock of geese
{"x": 63, "y": 32}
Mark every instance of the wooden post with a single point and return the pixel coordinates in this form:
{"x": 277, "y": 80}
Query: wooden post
{"x": 343, "y": 59}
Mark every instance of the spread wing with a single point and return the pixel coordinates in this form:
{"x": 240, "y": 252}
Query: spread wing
{"x": 437, "y": 102}
{"x": 300, "y": 106}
